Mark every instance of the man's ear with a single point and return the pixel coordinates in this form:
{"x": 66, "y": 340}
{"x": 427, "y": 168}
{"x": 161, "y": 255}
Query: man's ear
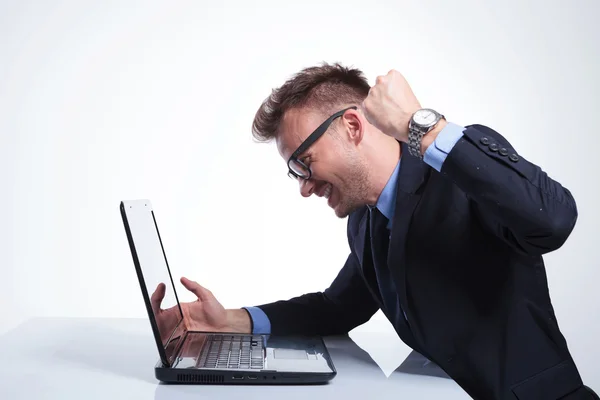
{"x": 354, "y": 126}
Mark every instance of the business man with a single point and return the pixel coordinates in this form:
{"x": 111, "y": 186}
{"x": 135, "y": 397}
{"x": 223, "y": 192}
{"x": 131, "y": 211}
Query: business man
{"x": 447, "y": 226}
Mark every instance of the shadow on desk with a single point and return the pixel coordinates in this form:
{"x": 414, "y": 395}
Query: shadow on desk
{"x": 417, "y": 364}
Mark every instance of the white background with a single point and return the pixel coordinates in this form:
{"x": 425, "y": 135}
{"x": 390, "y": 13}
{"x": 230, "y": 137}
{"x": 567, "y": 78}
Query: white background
{"x": 104, "y": 101}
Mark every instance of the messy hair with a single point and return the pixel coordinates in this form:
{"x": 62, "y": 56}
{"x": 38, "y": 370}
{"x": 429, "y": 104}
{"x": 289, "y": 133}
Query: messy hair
{"x": 324, "y": 88}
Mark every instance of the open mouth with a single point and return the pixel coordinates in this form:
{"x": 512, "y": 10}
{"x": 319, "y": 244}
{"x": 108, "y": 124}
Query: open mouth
{"x": 327, "y": 191}
{"x": 330, "y": 193}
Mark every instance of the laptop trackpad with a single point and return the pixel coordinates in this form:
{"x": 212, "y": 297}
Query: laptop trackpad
{"x": 290, "y": 354}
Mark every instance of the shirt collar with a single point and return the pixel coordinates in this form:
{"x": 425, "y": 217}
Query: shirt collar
{"x": 387, "y": 199}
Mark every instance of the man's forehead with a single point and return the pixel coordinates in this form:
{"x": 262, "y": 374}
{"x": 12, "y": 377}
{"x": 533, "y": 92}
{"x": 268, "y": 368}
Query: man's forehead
{"x": 296, "y": 126}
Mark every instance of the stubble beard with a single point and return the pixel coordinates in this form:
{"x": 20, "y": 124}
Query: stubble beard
{"x": 356, "y": 188}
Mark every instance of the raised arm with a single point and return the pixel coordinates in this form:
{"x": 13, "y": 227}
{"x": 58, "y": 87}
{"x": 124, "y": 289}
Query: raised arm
{"x": 514, "y": 198}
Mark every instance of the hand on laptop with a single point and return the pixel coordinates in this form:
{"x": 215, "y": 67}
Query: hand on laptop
{"x": 165, "y": 319}
{"x": 204, "y": 314}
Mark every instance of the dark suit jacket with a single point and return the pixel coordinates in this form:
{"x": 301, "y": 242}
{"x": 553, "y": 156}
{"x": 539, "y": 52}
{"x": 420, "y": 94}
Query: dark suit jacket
{"x": 466, "y": 256}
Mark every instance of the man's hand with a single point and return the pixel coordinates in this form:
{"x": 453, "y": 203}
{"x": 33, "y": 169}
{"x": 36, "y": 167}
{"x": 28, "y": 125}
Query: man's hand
{"x": 165, "y": 319}
{"x": 204, "y": 314}
{"x": 390, "y": 105}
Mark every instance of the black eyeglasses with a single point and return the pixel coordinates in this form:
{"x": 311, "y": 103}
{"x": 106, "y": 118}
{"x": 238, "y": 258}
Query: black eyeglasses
{"x": 298, "y": 169}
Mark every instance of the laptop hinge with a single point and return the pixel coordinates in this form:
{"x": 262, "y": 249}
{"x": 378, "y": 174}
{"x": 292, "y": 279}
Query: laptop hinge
{"x": 181, "y": 337}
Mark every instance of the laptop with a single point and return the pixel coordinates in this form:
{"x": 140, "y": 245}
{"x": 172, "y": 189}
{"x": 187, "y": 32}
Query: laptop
{"x": 188, "y": 356}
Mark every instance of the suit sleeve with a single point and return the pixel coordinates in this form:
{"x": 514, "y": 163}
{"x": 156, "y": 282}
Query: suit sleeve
{"x": 344, "y": 305}
{"x": 514, "y": 199}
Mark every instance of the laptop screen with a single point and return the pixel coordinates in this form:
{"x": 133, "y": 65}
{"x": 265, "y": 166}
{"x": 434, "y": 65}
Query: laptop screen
{"x": 154, "y": 274}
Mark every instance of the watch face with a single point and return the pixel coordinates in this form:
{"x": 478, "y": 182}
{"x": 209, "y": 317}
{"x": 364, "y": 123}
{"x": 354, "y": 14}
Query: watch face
{"x": 425, "y": 117}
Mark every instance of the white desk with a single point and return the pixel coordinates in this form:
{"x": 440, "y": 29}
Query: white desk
{"x": 114, "y": 359}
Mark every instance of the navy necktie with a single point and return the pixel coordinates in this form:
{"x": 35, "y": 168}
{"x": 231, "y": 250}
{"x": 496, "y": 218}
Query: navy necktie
{"x": 380, "y": 238}
{"x": 380, "y": 241}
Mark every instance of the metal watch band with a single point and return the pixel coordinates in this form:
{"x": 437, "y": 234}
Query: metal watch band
{"x": 416, "y": 133}
{"x": 414, "y": 142}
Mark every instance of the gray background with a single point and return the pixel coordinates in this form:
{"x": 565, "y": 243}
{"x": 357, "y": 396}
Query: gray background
{"x": 103, "y": 101}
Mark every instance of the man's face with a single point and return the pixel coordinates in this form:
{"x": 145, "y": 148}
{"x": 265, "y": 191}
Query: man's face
{"x": 338, "y": 172}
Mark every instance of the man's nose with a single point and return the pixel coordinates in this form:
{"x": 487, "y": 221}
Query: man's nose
{"x": 307, "y": 187}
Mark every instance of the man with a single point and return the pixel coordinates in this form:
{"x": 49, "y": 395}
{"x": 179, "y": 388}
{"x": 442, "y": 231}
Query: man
{"x": 447, "y": 226}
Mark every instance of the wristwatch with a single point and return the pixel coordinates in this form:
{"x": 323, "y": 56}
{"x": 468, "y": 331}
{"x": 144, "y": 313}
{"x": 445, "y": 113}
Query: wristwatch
{"x": 421, "y": 122}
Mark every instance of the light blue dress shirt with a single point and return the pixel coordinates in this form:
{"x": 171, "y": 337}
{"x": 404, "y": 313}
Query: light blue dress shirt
{"x": 435, "y": 155}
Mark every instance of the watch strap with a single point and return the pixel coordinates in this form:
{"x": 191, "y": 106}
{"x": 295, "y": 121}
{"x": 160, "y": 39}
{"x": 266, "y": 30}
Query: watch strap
{"x": 416, "y": 133}
{"x": 414, "y": 141}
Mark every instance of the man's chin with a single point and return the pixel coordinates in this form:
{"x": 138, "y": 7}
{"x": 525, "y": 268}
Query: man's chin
{"x": 340, "y": 214}
{"x": 343, "y": 210}
{"x": 343, "y": 205}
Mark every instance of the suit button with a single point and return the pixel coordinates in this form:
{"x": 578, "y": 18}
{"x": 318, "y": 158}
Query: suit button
{"x": 513, "y": 158}
{"x": 493, "y": 147}
{"x": 503, "y": 151}
{"x": 484, "y": 140}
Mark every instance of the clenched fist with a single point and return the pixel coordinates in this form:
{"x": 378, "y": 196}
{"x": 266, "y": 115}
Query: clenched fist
{"x": 390, "y": 105}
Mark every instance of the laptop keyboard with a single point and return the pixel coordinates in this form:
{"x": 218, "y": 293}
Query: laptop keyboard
{"x": 232, "y": 352}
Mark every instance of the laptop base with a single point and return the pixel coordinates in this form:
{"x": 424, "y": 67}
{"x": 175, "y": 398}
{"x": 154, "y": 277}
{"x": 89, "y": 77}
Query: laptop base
{"x": 224, "y": 377}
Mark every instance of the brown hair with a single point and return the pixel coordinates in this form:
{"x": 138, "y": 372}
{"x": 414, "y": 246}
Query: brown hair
{"x": 324, "y": 88}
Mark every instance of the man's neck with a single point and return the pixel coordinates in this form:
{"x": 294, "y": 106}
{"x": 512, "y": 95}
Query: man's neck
{"x": 382, "y": 158}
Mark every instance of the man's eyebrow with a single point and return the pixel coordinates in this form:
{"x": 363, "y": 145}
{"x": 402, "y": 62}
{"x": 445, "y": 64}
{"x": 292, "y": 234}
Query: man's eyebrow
{"x": 304, "y": 154}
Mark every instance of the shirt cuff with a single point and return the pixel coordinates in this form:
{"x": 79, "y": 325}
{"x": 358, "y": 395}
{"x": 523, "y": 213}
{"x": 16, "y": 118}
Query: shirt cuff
{"x": 436, "y": 153}
{"x": 260, "y": 321}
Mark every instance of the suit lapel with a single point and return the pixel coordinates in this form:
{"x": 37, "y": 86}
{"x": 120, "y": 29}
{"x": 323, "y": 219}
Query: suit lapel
{"x": 413, "y": 173}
